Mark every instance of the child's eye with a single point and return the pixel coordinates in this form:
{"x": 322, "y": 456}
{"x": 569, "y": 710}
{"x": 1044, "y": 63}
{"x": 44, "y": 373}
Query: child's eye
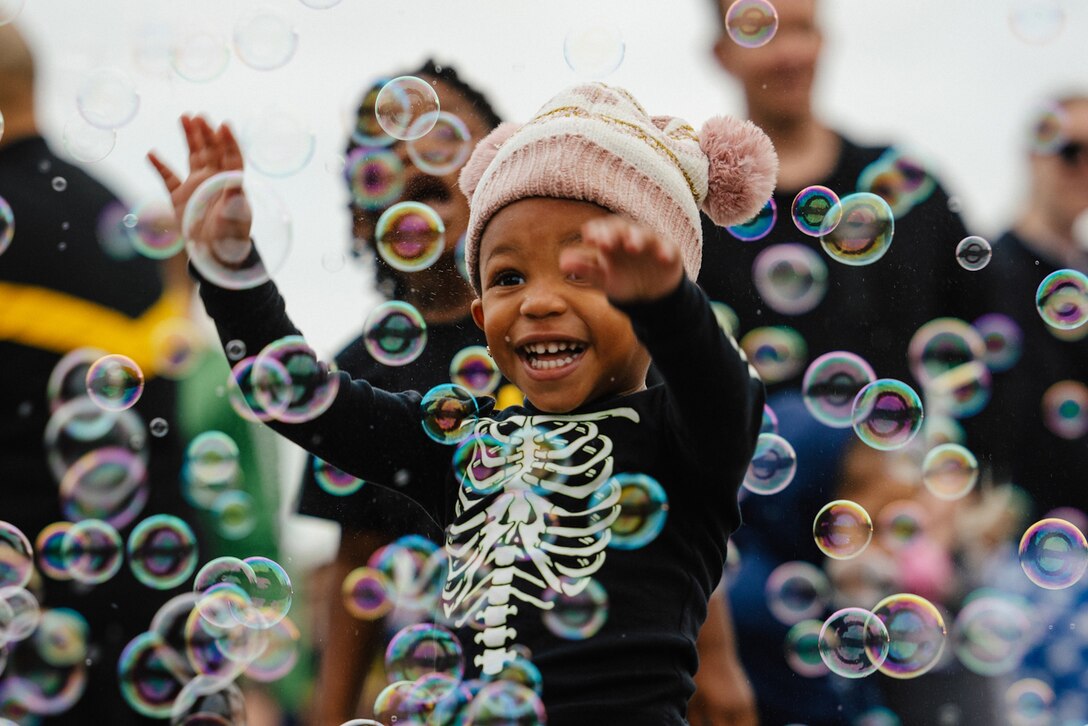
{"x": 507, "y": 278}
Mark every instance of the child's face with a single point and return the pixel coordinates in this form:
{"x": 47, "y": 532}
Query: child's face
{"x": 556, "y": 337}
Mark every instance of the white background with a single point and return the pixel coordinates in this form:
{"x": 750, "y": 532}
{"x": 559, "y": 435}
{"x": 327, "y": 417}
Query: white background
{"x": 948, "y": 78}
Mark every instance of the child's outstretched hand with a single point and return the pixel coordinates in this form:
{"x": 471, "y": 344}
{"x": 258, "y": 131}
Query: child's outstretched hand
{"x": 211, "y": 151}
{"x": 629, "y": 262}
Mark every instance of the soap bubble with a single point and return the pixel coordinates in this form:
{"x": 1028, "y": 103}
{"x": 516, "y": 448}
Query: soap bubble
{"x": 264, "y": 40}
{"x": 235, "y": 514}
{"x": 505, "y": 702}
{"x": 791, "y": 278}
{"x": 900, "y": 180}
{"x": 751, "y": 23}
{"x": 810, "y": 207}
{"x": 778, "y": 352}
{"x": 277, "y": 143}
{"x": 769, "y": 422}
{"x": 376, "y": 177}
{"x": 26, "y": 614}
{"x": 594, "y": 49}
{"x": 218, "y": 235}
{"x": 854, "y": 642}
{"x": 279, "y": 656}
{"x": 333, "y": 480}
{"x": 772, "y": 467}
{"x": 153, "y": 230}
{"x": 212, "y": 456}
{"x": 887, "y": 414}
{"x": 367, "y": 593}
{"x": 407, "y": 108}
{"x": 831, "y": 384}
{"x": 107, "y": 98}
{"x": 200, "y": 57}
{"x": 7, "y": 225}
{"x": 991, "y": 634}
{"x": 442, "y": 150}
{"x": 150, "y": 675}
{"x": 842, "y": 529}
{"x": 797, "y": 591}
{"x": 271, "y": 592}
{"x": 107, "y": 483}
{"x": 473, "y": 369}
{"x": 395, "y": 333}
{"x": 162, "y": 551}
{"x": 858, "y": 230}
{"x": 1030, "y": 702}
{"x": 92, "y": 551}
{"x": 1065, "y": 409}
{"x": 578, "y": 610}
{"x": 758, "y": 226}
{"x": 1062, "y": 299}
{"x": 1037, "y": 22}
{"x": 425, "y": 648}
{"x": 309, "y": 389}
{"x": 16, "y": 557}
{"x": 916, "y": 634}
{"x": 949, "y": 471}
{"x": 1053, "y": 553}
{"x": 973, "y": 253}
{"x": 802, "y": 648}
{"x": 644, "y": 507}
{"x": 410, "y": 236}
{"x": 48, "y": 546}
{"x": 115, "y": 382}
{"x": 1003, "y": 340}
{"x": 901, "y": 523}
{"x": 87, "y": 143}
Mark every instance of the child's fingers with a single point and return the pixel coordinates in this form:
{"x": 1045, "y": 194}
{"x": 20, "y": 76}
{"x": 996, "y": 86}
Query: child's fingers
{"x": 232, "y": 152}
{"x": 582, "y": 262}
{"x": 169, "y": 178}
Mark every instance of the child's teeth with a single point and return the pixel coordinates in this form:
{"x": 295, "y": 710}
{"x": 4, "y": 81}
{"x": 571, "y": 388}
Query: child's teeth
{"x": 553, "y": 347}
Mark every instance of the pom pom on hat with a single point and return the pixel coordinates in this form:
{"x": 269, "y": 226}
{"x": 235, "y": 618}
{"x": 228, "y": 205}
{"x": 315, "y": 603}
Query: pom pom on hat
{"x": 743, "y": 169}
{"x": 482, "y": 155}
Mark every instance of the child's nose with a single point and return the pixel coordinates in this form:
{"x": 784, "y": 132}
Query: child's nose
{"x": 542, "y": 300}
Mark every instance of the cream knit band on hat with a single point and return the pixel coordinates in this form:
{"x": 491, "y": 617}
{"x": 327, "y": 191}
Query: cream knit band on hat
{"x": 596, "y": 144}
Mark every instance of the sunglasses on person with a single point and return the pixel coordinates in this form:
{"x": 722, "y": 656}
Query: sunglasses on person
{"x": 1074, "y": 153}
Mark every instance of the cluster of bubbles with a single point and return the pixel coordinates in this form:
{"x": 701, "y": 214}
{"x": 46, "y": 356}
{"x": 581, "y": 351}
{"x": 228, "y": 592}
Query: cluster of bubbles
{"x": 285, "y": 381}
{"x": 407, "y": 573}
{"x": 234, "y": 623}
{"x": 898, "y": 179}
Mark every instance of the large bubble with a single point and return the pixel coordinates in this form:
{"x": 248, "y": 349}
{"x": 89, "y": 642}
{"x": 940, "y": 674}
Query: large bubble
{"x": 1062, "y": 299}
{"x": 916, "y": 634}
{"x": 107, "y": 98}
{"x": 395, "y": 333}
{"x": 858, "y": 230}
{"x": 772, "y": 467}
{"x": 751, "y": 23}
{"x": 831, "y": 384}
{"x": 887, "y": 414}
{"x": 407, "y": 108}
{"x": 410, "y": 236}
{"x": 842, "y": 529}
{"x": 1053, "y": 553}
{"x": 854, "y": 642}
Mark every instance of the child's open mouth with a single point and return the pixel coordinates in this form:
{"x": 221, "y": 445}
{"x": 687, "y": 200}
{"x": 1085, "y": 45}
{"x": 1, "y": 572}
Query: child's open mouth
{"x": 553, "y": 355}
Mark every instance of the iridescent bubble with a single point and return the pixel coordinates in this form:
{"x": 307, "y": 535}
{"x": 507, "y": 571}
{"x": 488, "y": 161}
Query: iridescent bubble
{"x": 594, "y": 49}
{"x": 212, "y": 457}
{"x": 7, "y": 225}
{"x": 153, "y": 230}
{"x": 279, "y": 656}
{"x": 442, "y": 150}
{"x": 973, "y": 253}
{"x": 87, "y": 143}
{"x": 26, "y": 614}
{"x": 162, "y": 551}
{"x": 277, "y": 143}
{"x": 644, "y": 507}
{"x": 1053, "y": 553}
{"x": 726, "y": 317}
{"x": 505, "y": 702}
{"x": 1062, "y": 299}
{"x": 810, "y": 207}
{"x": 362, "y": 120}
{"x": 92, "y": 550}
{"x": 991, "y": 634}
{"x": 1065, "y": 409}
{"x": 242, "y": 393}
{"x": 791, "y": 278}
{"x": 769, "y": 422}
{"x": 223, "y": 220}
{"x": 777, "y": 352}
{"x": 309, "y": 389}
{"x": 264, "y": 40}
{"x": 376, "y": 177}
{"x": 235, "y": 514}
{"x": 407, "y": 108}
{"x": 946, "y": 356}
{"x": 1048, "y": 130}
{"x": 220, "y": 650}
{"x": 271, "y": 592}
{"x": 61, "y": 637}
{"x": 16, "y": 557}
{"x": 901, "y": 523}
{"x": 751, "y": 23}
{"x": 437, "y": 698}
{"x": 887, "y": 414}
{"x": 410, "y": 236}
{"x": 758, "y": 226}
{"x": 395, "y": 333}
{"x": 1003, "y": 340}
{"x": 107, "y": 98}
{"x": 235, "y": 349}
{"x": 50, "y": 554}
{"x": 149, "y": 675}
{"x": 229, "y": 570}
{"x": 1037, "y": 22}
{"x": 858, "y": 230}
{"x": 10, "y": 9}
{"x": 108, "y": 483}
{"x": 200, "y": 57}
{"x": 81, "y": 427}
{"x": 475, "y": 371}
{"x": 772, "y": 467}
{"x": 416, "y": 569}
{"x": 425, "y": 648}
{"x": 916, "y": 635}
{"x": 1030, "y": 702}
{"x": 797, "y": 591}
{"x": 899, "y": 180}
{"x": 59, "y": 184}
{"x": 367, "y": 593}
{"x": 115, "y": 382}
{"x": 576, "y": 611}
{"x": 842, "y": 529}
{"x": 853, "y": 643}
{"x": 391, "y": 704}
{"x": 68, "y": 379}
{"x": 803, "y": 649}
{"x": 949, "y": 471}
{"x": 209, "y": 700}
{"x": 448, "y": 413}
{"x": 334, "y": 481}
{"x": 831, "y": 384}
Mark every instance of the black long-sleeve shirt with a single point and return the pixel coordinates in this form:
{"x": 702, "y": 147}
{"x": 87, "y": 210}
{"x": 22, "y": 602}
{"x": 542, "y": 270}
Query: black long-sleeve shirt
{"x": 694, "y": 434}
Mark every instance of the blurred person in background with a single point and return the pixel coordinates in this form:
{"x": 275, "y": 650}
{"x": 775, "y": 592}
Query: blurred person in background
{"x": 790, "y": 302}
{"x": 66, "y": 303}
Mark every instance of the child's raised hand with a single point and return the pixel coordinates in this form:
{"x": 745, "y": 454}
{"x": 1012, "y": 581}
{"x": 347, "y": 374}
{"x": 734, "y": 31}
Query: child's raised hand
{"x": 211, "y": 151}
{"x": 629, "y": 262}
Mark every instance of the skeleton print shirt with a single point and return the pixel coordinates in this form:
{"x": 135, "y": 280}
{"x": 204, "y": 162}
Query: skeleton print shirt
{"x": 529, "y": 511}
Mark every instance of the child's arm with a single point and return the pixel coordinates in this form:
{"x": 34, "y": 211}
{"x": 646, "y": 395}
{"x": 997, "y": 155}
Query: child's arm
{"x": 367, "y": 432}
{"x": 717, "y": 396}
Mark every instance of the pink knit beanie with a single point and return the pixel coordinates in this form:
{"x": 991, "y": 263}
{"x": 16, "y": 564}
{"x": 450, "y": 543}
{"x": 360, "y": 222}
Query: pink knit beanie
{"x": 596, "y": 144}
